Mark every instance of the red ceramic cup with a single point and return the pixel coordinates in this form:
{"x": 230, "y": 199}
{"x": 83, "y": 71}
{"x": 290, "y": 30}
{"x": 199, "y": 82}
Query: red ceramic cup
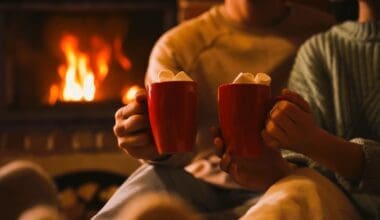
{"x": 172, "y": 114}
{"x": 243, "y": 109}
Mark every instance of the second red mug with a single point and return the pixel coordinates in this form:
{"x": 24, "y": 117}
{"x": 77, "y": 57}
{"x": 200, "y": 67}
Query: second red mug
{"x": 243, "y": 109}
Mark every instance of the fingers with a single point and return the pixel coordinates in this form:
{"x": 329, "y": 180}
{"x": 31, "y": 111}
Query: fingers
{"x": 276, "y": 133}
{"x": 218, "y": 141}
{"x": 280, "y": 118}
{"x": 225, "y": 162}
{"x": 132, "y": 128}
{"x": 285, "y": 109}
{"x": 141, "y": 96}
{"x": 131, "y": 125}
{"x": 135, "y": 123}
{"x": 269, "y": 140}
{"x": 131, "y": 109}
{"x": 135, "y": 141}
{"x": 296, "y": 99}
{"x": 282, "y": 123}
{"x": 219, "y": 146}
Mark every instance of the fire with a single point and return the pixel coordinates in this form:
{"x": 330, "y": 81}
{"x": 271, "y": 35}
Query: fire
{"x": 83, "y": 72}
{"x": 129, "y": 94}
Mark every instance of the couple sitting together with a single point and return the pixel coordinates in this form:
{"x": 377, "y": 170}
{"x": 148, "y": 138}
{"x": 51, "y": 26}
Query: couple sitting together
{"x": 323, "y": 140}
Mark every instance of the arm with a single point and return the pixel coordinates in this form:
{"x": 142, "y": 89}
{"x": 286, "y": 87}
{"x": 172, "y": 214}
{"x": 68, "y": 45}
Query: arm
{"x": 132, "y": 127}
{"x": 335, "y": 152}
{"x": 162, "y": 57}
{"x": 291, "y": 124}
{"x": 354, "y": 161}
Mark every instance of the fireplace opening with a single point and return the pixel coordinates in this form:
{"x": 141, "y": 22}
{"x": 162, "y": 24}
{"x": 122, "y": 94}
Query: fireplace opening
{"x": 59, "y": 57}
{"x": 80, "y": 57}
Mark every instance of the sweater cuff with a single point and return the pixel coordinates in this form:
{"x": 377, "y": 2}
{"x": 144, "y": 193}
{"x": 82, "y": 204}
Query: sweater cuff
{"x": 370, "y": 179}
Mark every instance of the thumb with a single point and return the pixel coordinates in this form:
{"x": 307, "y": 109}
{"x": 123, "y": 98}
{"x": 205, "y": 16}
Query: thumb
{"x": 225, "y": 162}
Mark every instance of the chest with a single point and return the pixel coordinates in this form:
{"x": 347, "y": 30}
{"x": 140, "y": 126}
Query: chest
{"x": 355, "y": 85}
{"x": 228, "y": 55}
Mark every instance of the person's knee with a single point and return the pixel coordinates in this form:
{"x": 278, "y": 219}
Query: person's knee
{"x": 146, "y": 179}
{"x": 41, "y": 212}
{"x": 158, "y": 206}
{"x": 305, "y": 194}
{"x": 24, "y": 178}
{"x": 24, "y": 185}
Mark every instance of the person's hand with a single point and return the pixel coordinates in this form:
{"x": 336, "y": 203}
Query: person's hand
{"x": 257, "y": 173}
{"x": 132, "y": 129}
{"x": 290, "y": 124}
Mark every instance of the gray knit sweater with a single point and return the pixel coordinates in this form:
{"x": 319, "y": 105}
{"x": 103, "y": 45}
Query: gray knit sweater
{"x": 338, "y": 73}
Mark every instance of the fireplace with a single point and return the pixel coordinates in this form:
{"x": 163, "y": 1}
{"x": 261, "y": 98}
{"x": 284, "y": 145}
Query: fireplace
{"x": 65, "y": 67}
{"x": 102, "y": 45}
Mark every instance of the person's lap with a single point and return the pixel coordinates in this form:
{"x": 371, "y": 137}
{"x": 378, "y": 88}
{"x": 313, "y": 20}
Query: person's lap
{"x": 204, "y": 197}
{"x": 305, "y": 188}
{"x": 305, "y": 194}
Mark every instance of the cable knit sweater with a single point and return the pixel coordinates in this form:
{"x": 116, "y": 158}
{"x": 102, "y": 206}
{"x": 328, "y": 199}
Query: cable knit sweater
{"x": 338, "y": 73}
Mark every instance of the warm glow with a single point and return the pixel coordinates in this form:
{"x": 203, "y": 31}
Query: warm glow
{"x": 83, "y": 72}
{"x": 54, "y": 94}
{"x": 129, "y": 94}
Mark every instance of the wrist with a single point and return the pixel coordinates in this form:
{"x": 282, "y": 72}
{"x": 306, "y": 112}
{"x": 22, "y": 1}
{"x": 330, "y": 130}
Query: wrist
{"x": 312, "y": 145}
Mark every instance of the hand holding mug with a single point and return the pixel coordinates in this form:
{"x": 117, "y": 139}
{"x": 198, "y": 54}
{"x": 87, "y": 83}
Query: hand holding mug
{"x": 257, "y": 173}
{"x": 132, "y": 129}
{"x": 290, "y": 124}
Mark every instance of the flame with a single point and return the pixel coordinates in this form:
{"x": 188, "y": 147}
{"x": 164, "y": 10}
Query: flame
{"x": 129, "y": 94}
{"x": 82, "y": 72}
{"x": 125, "y": 63}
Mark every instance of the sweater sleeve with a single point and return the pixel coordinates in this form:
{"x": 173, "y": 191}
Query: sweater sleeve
{"x": 162, "y": 57}
{"x": 370, "y": 179}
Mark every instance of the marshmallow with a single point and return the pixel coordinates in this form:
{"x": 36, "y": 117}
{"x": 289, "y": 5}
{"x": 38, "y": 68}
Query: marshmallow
{"x": 244, "y": 78}
{"x": 167, "y": 75}
{"x": 182, "y": 76}
{"x": 259, "y": 78}
{"x": 263, "y": 79}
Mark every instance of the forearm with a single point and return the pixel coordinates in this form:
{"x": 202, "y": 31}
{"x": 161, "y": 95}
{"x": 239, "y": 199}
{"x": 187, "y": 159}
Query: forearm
{"x": 341, "y": 156}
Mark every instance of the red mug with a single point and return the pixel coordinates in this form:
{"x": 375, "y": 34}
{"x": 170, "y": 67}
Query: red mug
{"x": 172, "y": 115}
{"x": 243, "y": 109}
